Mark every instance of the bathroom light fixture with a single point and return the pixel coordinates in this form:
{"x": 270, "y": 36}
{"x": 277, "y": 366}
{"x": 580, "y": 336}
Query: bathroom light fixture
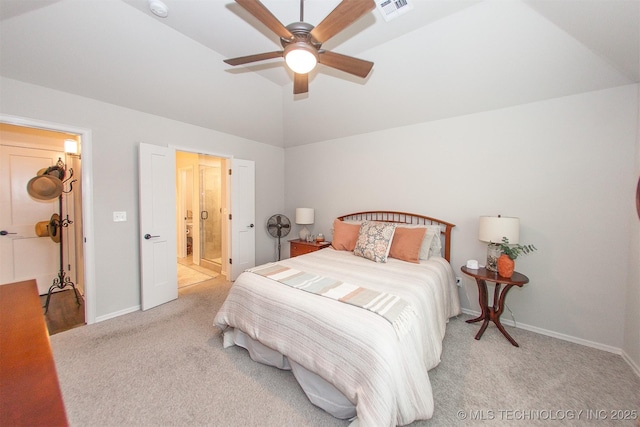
{"x": 71, "y": 146}
{"x": 300, "y": 57}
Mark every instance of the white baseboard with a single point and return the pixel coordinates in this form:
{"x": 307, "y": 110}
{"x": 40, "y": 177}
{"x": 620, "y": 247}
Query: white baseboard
{"x": 631, "y": 363}
{"x": 506, "y": 321}
{"x": 117, "y": 313}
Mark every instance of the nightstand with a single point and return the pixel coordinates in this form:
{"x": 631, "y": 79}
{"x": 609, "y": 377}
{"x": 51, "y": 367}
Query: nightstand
{"x": 483, "y": 275}
{"x": 300, "y": 247}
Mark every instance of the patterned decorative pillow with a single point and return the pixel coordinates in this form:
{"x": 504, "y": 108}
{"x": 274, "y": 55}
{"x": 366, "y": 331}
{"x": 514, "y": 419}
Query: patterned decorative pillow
{"x": 374, "y": 240}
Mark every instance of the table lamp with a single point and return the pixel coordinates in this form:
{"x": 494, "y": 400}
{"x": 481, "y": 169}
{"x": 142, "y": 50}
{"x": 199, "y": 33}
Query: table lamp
{"x": 492, "y": 229}
{"x": 304, "y": 216}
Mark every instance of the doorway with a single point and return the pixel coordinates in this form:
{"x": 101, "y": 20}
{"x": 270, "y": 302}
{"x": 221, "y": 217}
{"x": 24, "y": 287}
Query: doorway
{"x": 43, "y": 235}
{"x": 202, "y": 203}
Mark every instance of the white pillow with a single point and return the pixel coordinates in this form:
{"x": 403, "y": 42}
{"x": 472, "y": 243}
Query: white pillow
{"x": 435, "y": 248}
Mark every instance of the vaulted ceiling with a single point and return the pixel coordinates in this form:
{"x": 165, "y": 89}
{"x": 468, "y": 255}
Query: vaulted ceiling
{"x": 442, "y": 59}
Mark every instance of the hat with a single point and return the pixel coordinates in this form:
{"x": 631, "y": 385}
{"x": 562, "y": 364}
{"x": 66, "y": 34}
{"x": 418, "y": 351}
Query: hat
{"x": 50, "y": 228}
{"x": 44, "y": 187}
{"x": 54, "y": 230}
{"x": 42, "y": 229}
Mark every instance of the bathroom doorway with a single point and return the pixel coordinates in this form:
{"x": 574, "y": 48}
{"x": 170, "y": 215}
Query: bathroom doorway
{"x": 202, "y": 206}
{"x": 210, "y": 215}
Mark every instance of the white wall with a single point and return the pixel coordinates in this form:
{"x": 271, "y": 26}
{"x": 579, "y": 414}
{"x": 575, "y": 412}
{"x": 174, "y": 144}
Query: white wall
{"x": 565, "y": 166}
{"x": 116, "y": 133}
{"x": 632, "y": 321}
{"x": 494, "y": 54}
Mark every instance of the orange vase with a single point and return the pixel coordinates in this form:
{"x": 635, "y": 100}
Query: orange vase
{"x": 505, "y": 266}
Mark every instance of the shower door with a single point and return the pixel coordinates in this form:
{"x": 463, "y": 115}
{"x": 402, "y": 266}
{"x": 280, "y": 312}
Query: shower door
{"x": 210, "y": 213}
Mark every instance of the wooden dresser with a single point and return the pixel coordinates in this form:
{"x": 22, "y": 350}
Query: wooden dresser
{"x": 29, "y": 390}
{"x": 300, "y": 247}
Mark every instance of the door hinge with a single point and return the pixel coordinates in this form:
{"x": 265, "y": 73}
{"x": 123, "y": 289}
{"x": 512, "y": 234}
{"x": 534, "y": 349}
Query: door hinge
{"x": 229, "y": 171}
{"x": 230, "y": 217}
{"x": 230, "y": 261}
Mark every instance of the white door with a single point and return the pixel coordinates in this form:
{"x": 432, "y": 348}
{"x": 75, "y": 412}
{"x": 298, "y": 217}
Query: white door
{"x": 24, "y": 255}
{"x": 243, "y": 212}
{"x": 159, "y": 276}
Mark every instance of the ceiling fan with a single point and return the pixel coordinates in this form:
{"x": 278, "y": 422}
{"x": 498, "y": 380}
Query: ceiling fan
{"x": 302, "y": 41}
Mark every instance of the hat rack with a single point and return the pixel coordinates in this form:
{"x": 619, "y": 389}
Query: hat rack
{"x": 56, "y": 225}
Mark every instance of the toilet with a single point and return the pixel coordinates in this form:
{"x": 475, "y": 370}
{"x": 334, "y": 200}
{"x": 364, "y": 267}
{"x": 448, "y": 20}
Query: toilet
{"x": 189, "y": 238}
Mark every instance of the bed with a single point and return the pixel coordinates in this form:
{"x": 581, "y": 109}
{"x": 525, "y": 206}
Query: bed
{"x": 321, "y": 315}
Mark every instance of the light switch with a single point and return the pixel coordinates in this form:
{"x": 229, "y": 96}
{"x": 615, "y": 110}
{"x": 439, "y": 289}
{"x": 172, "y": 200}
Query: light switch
{"x": 119, "y": 216}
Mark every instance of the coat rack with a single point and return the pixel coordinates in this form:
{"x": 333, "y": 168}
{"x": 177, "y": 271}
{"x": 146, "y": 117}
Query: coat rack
{"x": 56, "y": 225}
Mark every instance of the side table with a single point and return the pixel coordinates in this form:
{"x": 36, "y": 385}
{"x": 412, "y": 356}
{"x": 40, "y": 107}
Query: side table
{"x": 300, "y": 247}
{"x": 482, "y": 275}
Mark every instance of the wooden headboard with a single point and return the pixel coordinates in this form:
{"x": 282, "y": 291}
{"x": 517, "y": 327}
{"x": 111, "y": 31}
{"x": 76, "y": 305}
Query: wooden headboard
{"x": 405, "y": 218}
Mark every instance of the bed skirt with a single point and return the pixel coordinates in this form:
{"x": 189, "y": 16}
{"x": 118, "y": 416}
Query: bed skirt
{"x": 320, "y": 392}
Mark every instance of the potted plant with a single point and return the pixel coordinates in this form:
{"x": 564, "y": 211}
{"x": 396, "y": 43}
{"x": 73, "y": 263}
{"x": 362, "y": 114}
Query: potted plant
{"x": 506, "y": 261}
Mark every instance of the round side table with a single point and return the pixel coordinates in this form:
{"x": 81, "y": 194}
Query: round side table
{"x": 492, "y": 313}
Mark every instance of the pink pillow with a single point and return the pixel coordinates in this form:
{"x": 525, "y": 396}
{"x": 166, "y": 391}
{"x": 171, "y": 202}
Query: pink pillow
{"x": 406, "y": 244}
{"x": 344, "y": 235}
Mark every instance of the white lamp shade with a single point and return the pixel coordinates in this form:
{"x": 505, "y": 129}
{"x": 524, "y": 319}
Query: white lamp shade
{"x": 304, "y": 215}
{"x": 494, "y": 228}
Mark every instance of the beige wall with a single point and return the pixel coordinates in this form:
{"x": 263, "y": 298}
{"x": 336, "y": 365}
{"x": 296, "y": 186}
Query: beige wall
{"x": 565, "y": 166}
{"x": 115, "y": 136}
{"x": 632, "y": 308}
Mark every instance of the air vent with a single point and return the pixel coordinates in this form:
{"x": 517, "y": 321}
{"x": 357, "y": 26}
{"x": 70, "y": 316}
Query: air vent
{"x": 391, "y": 9}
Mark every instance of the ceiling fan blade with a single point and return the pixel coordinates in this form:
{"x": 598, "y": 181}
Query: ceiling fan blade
{"x": 348, "y": 64}
{"x": 263, "y": 15}
{"x": 340, "y": 18}
{"x": 253, "y": 58}
{"x": 300, "y": 83}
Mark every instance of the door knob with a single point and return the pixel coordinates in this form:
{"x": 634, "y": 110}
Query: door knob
{"x": 5, "y": 232}
{"x": 149, "y": 236}
{"x": 251, "y": 225}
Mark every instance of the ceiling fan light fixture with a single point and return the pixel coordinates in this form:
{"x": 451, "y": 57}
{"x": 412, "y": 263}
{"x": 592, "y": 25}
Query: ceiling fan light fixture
{"x": 300, "y": 57}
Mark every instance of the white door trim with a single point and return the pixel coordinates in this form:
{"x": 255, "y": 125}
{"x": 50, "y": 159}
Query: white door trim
{"x": 87, "y": 202}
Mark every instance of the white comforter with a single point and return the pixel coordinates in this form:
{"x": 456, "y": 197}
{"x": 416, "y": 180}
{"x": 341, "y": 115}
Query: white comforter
{"x": 383, "y": 373}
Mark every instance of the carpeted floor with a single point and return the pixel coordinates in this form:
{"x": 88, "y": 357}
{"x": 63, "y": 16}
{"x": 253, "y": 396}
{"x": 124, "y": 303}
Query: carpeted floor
{"x": 167, "y": 367}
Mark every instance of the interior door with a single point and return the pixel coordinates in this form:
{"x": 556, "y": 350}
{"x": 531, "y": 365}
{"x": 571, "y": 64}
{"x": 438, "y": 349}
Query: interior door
{"x": 158, "y": 247}
{"x": 24, "y": 255}
{"x": 243, "y": 213}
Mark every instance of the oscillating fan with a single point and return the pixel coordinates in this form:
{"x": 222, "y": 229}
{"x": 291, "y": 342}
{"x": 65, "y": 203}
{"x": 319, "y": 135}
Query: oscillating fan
{"x": 278, "y": 226}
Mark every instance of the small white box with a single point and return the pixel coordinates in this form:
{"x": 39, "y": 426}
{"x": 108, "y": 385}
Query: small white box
{"x": 472, "y": 264}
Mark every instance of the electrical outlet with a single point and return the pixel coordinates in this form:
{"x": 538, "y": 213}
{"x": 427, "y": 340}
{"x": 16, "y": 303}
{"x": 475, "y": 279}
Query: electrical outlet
{"x": 459, "y": 281}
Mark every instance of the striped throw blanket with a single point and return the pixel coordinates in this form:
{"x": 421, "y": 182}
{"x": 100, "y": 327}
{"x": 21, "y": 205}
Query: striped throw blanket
{"x": 393, "y": 308}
